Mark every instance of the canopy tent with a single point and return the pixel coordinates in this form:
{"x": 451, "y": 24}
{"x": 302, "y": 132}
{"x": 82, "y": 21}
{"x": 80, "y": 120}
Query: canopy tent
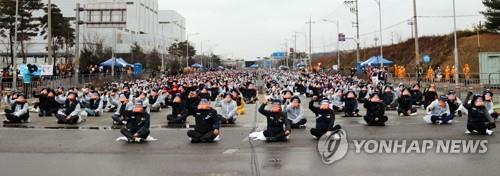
{"x": 301, "y": 64}
{"x": 254, "y": 66}
{"x": 376, "y": 61}
{"x": 119, "y": 63}
{"x": 197, "y": 66}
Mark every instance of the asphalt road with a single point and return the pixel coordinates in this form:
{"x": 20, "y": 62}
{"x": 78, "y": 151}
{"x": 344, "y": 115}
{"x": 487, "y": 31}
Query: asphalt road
{"x": 44, "y": 148}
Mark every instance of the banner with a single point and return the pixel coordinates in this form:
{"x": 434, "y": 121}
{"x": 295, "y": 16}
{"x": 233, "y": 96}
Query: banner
{"x": 47, "y": 70}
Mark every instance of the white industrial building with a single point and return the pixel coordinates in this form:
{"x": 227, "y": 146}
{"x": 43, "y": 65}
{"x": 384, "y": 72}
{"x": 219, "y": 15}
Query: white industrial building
{"x": 118, "y": 24}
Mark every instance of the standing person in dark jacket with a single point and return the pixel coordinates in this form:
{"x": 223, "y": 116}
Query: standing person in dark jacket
{"x": 325, "y": 118}
{"x": 405, "y": 102}
{"x": 19, "y": 111}
{"x": 136, "y": 124}
{"x": 278, "y": 126}
{"x": 207, "y": 124}
{"x": 179, "y": 111}
{"x": 479, "y": 120}
{"x": 375, "y": 111}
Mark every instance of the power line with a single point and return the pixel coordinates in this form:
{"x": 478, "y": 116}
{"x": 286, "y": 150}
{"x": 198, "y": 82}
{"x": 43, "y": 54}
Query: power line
{"x": 386, "y": 28}
{"x": 445, "y": 16}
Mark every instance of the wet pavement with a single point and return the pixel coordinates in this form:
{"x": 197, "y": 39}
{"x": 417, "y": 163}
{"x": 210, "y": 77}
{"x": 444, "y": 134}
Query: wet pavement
{"x": 43, "y": 147}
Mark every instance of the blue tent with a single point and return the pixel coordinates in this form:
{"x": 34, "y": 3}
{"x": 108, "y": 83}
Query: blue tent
{"x": 254, "y": 66}
{"x": 301, "y": 64}
{"x": 376, "y": 61}
{"x": 119, "y": 63}
{"x": 197, "y": 66}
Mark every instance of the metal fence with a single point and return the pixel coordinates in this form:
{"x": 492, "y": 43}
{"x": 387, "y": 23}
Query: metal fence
{"x": 477, "y": 83}
{"x": 67, "y": 81}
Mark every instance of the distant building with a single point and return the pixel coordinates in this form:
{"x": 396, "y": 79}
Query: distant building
{"x": 117, "y": 23}
{"x": 172, "y": 25}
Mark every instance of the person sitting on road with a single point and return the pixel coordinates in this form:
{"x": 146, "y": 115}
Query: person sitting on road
{"x": 364, "y": 94}
{"x": 48, "y": 104}
{"x": 479, "y": 120}
{"x": 192, "y": 102}
{"x": 136, "y": 123}
{"x": 430, "y": 95}
{"x": 207, "y": 124}
{"x": 389, "y": 98}
{"x": 488, "y": 102}
{"x": 337, "y": 100}
{"x": 84, "y": 96}
{"x": 416, "y": 95}
{"x": 351, "y": 105}
{"x": 154, "y": 101}
{"x": 94, "y": 106}
{"x": 251, "y": 94}
{"x": 179, "y": 110}
{"x": 19, "y": 111}
{"x": 405, "y": 104}
{"x": 239, "y": 101}
{"x": 120, "y": 114}
{"x": 228, "y": 108}
{"x": 439, "y": 111}
{"x": 113, "y": 99}
{"x": 295, "y": 114}
{"x": 454, "y": 102}
{"x": 69, "y": 113}
{"x": 286, "y": 98}
{"x": 278, "y": 126}
{"x": 325, "y": 117}
{"x": 375, "y": 111}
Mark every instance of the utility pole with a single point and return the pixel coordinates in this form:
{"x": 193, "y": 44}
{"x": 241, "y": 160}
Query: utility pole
{"x": 49, "y": 38}
{"x": 457, "y": 78}
{"x": 14, "y": 63}
{"x": 294, "y": 49}
{"x": 113, "y": 54}
{"x": 479, "y": 38}
{"x": 355, "y": 10}
{"x": 77, "y": 41}
{"x": 381, "y": 37}
{"x": 187, "y": 51}
{"x": 357, "y": 33}
{"x": 415, "y": 23}
{"x": 310, "y": 42}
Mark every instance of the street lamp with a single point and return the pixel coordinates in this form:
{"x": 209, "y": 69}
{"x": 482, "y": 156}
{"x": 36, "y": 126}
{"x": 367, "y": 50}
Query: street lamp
{"x": 456, "y": 45}
{"x": 354, "y": 8}
{"x": 14, "y": 62}
{"x": 201, "y": 50}
{"x": 380, "y": 25}
{"x": 187, "y": 47}
{"x": 338, "y": 40}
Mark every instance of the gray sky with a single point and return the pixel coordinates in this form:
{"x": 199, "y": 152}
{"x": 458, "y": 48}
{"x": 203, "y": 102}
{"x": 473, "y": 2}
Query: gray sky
{"x": 248, "y": 29}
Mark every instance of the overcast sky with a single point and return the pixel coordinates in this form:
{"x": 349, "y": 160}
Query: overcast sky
{"x": 247, "y": 29}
